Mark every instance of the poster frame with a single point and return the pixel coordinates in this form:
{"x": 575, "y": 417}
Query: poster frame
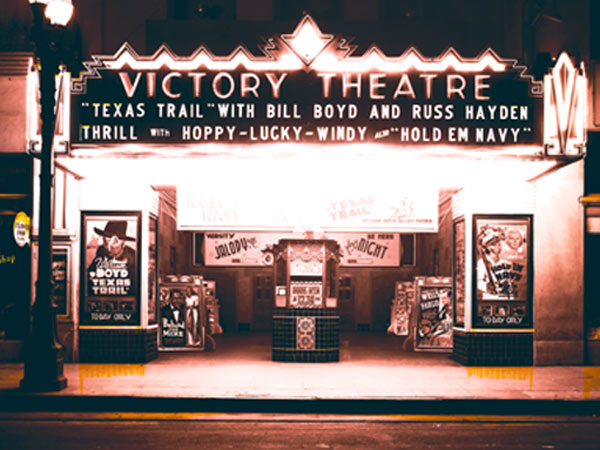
{"x": 61, "y": 252}
{"x": 99, "y": 216}
{"x": 153, "y": 280}
{"x": 503, "y": 220}
{"x": 456, "y": 223}
{"x": 421, "y": 284}
{"x": 179, "y": 286}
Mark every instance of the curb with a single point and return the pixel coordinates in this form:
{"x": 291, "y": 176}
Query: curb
{"x": 429, "y": 406}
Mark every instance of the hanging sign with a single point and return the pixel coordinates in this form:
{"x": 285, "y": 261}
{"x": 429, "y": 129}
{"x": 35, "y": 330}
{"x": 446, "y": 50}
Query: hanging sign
{"x": 377, "y": 209}
{"x": 238, "y": 249}
{"x": 22, "y": 229}
{"x": 368, "y": 249}
{"x": 307, "y": 86}
{"x": 223, "y": 248}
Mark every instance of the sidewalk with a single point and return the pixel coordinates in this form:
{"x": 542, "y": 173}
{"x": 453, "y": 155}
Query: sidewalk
{"x": 373, "y": 375}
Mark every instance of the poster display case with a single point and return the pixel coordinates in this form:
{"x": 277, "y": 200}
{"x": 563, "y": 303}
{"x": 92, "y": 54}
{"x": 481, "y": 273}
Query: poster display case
{"x": 110, "y": 284}
{"x": 152, "y": 269}
{"x": 459, "y": 268}
{"x": 402, "y": 308}
{"x": 433, "y": 313}
{"x": 59, "y": 287}
{"x": 305, "y": 317}
{"x": 188, "y": 312}
{"x": 183, "y": 320}
{"x": 502, "y": 269}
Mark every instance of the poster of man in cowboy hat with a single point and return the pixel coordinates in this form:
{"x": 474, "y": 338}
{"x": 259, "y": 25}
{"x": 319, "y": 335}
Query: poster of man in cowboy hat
{"x": 111, "y": 269}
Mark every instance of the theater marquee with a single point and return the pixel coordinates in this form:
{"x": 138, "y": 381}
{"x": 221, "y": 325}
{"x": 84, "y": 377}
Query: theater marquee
{"x": 306, "y": 86}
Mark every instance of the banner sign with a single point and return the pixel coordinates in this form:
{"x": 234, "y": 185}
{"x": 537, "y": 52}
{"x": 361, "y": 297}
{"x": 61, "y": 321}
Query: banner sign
{"x": 368, "y": 249}
{"x": 225, "y": 248}
{"x": 383, "y": 208}
{"x": 238, "y": 249}
{"x": 307, "y": 86}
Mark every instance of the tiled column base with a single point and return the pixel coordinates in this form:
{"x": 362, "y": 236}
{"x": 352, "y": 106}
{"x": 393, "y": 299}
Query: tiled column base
{"x": 493, "y": 349}
{"x": 114, "y": 345}
{"x": 306, "y": 335}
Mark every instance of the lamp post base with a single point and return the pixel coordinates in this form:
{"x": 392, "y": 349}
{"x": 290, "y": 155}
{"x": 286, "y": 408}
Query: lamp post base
{"x": 44, "y": 373}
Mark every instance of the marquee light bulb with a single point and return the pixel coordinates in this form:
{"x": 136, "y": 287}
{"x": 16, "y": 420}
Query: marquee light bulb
{"x": 59, "y": 12}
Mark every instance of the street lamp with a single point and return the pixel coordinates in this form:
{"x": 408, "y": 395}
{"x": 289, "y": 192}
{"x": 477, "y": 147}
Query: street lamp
{"x": 43, "y": 362}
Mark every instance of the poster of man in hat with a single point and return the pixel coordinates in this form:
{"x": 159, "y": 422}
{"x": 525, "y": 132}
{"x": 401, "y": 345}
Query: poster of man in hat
{"x": 110, "y": 269}
{"x": 502, "y": 259}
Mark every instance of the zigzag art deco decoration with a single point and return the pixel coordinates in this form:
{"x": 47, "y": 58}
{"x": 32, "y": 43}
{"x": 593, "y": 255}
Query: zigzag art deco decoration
{"x": 565, "y": 108}
{"x": 307, "y": 48}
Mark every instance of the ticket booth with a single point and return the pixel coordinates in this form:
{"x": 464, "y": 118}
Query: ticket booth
{"x": 306, "y": 323}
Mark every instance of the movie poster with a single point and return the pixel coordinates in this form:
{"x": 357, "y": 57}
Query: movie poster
{"x": 182, "y": 315}
{"x": 402, "y": 307}
{"x": 502, "y": 251}
{"x": 152, "y": 268}
{"x": 58, "y": 287}
{"x": 434, "y": 313}
{"x": 459, "y": 272}
{"x": 110, "y": 259}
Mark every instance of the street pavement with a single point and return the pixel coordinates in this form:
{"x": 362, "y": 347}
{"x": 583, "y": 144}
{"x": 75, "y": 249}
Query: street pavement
{"x": 374, "y": 376}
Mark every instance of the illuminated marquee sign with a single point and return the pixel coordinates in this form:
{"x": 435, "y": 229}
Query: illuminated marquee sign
{"x": 307, "y": 86}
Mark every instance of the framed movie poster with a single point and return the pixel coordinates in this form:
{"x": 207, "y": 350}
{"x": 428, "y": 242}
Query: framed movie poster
{"x": 433, "y": 313}
{"x": 459, "y": 273}
{"x": 59, "y": 280}
{"x": 110, "y": 259}
{"x": 182, "y": 315}
{"x": 502, "y": 280}
{"x": 152, "y": 269}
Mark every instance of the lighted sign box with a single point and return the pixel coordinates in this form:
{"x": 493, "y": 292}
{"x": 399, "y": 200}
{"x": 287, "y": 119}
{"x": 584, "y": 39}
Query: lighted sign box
{"x": 502, "y": 271}
{"x": 306, "y": 87}
{"x": 110, "y": 249}
{"x": 385, "y": 205}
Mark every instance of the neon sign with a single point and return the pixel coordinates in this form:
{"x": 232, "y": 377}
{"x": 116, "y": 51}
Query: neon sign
{"x": 565, "y": 108}
{"x": 307, "y": 86}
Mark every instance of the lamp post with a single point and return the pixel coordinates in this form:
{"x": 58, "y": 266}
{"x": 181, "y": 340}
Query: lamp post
{"x": 43, "y": 362}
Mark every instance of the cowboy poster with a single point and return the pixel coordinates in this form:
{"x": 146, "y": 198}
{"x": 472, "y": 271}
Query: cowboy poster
{"x": 502, "y": 259}
{"x": 110, "y": 262}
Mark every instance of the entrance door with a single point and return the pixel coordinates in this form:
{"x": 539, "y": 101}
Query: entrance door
{"x": 346, "y": 303}
{"x": 226, "y": 295}
{"x": 382, "y": 293}
{"x": 263, "y": 303}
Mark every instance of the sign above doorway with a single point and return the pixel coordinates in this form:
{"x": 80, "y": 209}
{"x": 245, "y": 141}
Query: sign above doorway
{"x": 306, "y": 87}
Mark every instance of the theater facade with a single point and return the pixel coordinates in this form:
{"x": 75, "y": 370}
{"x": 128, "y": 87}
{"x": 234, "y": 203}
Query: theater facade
{"x": 309, "y": 191}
